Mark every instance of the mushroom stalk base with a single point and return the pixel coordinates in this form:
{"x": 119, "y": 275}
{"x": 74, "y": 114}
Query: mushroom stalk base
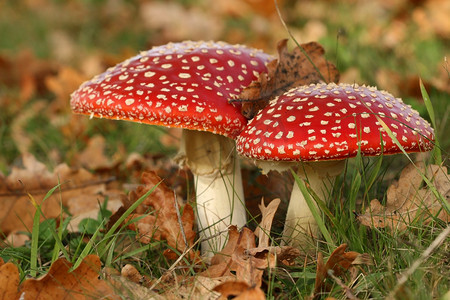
{"x": 218, "y": 182}
{"x": 301, "y": 229}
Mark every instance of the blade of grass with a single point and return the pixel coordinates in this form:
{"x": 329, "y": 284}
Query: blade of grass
{"x": 109, "y": 257}
{"x": 112, "y": 230}
{"x": 35, "y": 231}
{"x": 313, "y": 210}
{"x": 86, "y": 249}
{"x": 425, "y": 255}
{"x": 356, "y": 184}
{"x": 106, "y": 244}
{"x": 135, "y": 252}
{"x": 62, "y": 227}
{"x": 34, "y": 238}
{"x": 63, "y": 223}
{"x": 429, "y": 107}
{"x": 374, "y": 174}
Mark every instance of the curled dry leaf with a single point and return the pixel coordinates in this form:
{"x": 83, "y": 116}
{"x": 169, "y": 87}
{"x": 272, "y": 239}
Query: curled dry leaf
{"x": 239, "y": 290}
{"x": 131, "y": 273}
{"x": 301, "y": 67}
{"x": 407, "y": 203}
{"x": 60, "y": 283}
{"x": 284, "y": 254}
{"x": 268, "y": 213}
{"x": 339, "y": 262}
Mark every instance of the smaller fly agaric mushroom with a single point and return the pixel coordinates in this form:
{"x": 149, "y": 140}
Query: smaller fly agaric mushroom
{"x": 187, "y": 85}
{"x": 317, "y": 127}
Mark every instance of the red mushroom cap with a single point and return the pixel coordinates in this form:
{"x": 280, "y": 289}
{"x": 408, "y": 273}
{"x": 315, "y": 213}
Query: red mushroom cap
{"x": 330, "y": 122}
{"x": 183, "y": 85}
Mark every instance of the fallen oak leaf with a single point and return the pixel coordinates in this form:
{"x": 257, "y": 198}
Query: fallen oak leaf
{"x": 163, "y": 222}
{"x": 301, "y": 67}
{"x": 60, "y": 283}
{"x": 339, "y": 262}
{"x": 132, "y": 274}
{"x": 406, "y": 203}
{"x": 223, "y": 263}
{"x": 241, "y": 256}
{"x": 9, "y": 281}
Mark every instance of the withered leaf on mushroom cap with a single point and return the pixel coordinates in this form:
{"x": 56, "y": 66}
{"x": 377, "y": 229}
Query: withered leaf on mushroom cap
{"x": 301, "y": 67}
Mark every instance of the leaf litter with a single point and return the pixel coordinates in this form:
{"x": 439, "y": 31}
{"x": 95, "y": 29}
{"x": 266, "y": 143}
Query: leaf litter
{"x": 236, "y": 271}
{"x": 33, "y": 179}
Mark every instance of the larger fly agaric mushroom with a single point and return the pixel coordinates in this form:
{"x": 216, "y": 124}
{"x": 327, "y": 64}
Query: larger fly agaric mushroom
{"x": 187, "y": 85}
{"x": 318, "y": 127}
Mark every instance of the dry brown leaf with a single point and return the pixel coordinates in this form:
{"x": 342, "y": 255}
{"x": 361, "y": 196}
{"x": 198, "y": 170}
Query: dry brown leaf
{"x": 268, "y": 213}
{"x": 239, "y": 290}
{"x": 93, "y": 157}
{"x": 59, "y": 283}
{"x": 222, "y": 263}
{"x": 9, "y": 281}
{"x": 22, "y": 139}
{"x": 288, "y": 71}
{"x": 17, "y": 238}
{"x": 339, "y": 262}
{"x": 284, "y": 254}
{"x": 62, "y": 85}
{"x": 233, "y": 258}
{"x": 163, "y": 223}
{"x": 131, "y": 273}
{"x": 406, "y": 203}
{"x": 241, "y": 256}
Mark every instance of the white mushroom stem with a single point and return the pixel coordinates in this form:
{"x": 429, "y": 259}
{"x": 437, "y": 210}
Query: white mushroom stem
{"x": 300, "y": 228}
{"x": 218, "y": 182}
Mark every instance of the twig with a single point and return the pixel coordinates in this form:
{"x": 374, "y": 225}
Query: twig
{"x": 180, "y": 222}
{"x": 62, "y": 189}
{"x": 172, "y": 267}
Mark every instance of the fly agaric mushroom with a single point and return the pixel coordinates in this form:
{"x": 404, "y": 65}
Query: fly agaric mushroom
{"x": 318, "y": 127}
{"x": 187, "y": 85}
